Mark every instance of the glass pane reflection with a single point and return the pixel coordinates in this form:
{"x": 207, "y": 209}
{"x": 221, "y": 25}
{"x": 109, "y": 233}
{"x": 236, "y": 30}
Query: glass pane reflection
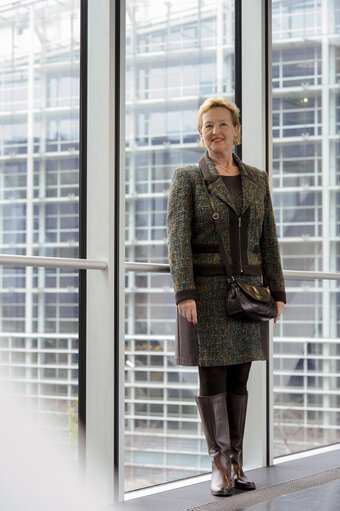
{"x": 307, "y": 371}
{"x": 39, "y": 174}
{"x": 306, "y": 170}
{"x": 177, "y": 54}
{"x": 163, "y": 438}
{"x": 39, "y": 348}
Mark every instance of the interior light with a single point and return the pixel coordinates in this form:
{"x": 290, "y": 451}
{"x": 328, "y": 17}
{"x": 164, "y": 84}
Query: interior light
{"x": 305, "y": 100}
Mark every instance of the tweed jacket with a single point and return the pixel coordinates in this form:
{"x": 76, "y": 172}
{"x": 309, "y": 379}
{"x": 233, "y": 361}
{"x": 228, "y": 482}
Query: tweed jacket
{"x": 251, "y": 238}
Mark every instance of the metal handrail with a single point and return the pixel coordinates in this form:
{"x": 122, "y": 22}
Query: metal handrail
{"x": 291, "y": 274}
{"x": 294, "y": 274}
{"x": 92, "y": 264}
{"x": 52, "y": 262}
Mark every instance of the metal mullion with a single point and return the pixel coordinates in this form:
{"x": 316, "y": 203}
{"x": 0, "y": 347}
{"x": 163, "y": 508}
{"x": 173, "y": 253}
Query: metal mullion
{"x": 269, "y": 161}
{"x": 119, "y": 41}
{"x": 238, "y": 62}
{"x": 82, "y": 233}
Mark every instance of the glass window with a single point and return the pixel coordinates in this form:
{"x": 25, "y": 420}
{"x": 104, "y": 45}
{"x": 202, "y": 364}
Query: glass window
{"x": 39, "y": 174}
{"x": 305, "y": 172}
{"x": 174, "y": 68}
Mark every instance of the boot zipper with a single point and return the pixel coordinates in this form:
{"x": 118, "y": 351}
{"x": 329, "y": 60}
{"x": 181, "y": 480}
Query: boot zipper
{"x": 239, "y": 242}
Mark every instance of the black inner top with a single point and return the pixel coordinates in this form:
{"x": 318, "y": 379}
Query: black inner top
{"x": 233, "y": 183}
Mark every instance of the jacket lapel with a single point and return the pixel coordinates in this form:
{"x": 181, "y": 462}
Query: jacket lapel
{"x": 249, "y": 186}
{"x": 218, "y": 188}
{"x": 214, "y": 181}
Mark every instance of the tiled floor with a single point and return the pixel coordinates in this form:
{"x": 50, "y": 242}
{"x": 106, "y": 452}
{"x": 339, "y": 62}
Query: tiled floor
{"x": 325, "y": 497}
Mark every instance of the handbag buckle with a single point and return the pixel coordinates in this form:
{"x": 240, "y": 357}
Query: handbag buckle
{"x": 216, "y": 216}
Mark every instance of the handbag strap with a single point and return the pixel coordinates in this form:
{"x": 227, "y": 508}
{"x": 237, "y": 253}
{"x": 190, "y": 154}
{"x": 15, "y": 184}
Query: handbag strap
{"x": 216, "y": 217}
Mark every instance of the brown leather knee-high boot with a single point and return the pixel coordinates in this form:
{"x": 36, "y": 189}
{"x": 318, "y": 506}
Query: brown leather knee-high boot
{"x": 237, "y": 409}
{"x": 214, "y": 417}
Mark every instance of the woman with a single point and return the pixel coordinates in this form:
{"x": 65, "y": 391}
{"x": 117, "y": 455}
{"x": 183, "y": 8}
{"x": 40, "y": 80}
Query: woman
{"x": 225, "y": 346}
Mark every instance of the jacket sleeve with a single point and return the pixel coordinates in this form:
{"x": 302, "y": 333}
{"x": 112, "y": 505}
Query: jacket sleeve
{"x": 271, "y": 261}
{"x": 179, "y": 219}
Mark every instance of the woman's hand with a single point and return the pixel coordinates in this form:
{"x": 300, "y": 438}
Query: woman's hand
{"x": 280, "y": 307}
{"x": 187, "y": 308}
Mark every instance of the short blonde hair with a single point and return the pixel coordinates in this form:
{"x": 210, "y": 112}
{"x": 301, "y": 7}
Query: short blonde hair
{"x": 220, "y": 102}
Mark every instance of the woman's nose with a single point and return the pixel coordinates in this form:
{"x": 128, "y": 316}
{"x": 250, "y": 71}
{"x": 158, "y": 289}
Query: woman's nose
{"x": 215, "y": 129}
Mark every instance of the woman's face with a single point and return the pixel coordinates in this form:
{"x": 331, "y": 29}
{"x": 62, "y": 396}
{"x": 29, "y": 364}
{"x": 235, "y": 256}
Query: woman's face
{"x": 218, "y": 131}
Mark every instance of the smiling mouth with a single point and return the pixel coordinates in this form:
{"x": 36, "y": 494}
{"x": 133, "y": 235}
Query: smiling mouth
{"x": 217, "y": 139}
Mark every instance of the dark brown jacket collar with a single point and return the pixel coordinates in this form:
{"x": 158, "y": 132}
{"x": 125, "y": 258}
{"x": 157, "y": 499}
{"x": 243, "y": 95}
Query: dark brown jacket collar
{"x": 217, "y": 187}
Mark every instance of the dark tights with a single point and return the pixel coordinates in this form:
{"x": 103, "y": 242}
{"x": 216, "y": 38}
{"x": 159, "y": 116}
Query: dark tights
{"x": 217, "y": 379}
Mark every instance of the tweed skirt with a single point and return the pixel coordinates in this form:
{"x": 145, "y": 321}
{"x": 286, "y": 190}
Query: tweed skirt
{"x": 222, "y": 339}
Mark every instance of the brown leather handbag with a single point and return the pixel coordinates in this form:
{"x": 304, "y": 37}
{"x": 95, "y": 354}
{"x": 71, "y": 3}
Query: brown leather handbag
{"x": 244, "y": 301}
